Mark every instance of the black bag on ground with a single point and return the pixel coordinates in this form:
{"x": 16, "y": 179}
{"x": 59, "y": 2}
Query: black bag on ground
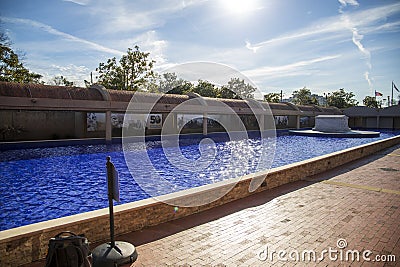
{"x": 68, "y": 250}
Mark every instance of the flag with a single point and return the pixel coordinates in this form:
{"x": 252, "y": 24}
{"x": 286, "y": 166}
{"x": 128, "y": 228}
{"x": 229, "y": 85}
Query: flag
{"x": 378, "y": 94}
{"x": 394, "y": 86}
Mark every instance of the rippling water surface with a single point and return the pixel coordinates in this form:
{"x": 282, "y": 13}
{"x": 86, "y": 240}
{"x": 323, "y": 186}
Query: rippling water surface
{"x": 47, "y": 183}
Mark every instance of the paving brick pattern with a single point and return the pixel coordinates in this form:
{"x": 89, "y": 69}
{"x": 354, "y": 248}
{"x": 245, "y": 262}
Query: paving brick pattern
{"x": 348, "y": 204}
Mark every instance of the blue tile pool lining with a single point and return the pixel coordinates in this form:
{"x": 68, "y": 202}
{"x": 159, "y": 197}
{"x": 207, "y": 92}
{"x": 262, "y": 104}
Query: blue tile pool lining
{"x": 39, "y": 184}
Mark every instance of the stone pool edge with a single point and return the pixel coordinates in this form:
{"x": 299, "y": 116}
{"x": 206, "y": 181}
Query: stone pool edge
{"x": 28, "y": 243}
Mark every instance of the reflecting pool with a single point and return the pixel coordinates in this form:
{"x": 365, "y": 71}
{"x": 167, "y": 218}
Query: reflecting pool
{"x": 39, "y": 184}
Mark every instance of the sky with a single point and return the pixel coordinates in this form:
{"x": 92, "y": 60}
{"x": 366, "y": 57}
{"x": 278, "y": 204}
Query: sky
{"x": 279, "y": 44}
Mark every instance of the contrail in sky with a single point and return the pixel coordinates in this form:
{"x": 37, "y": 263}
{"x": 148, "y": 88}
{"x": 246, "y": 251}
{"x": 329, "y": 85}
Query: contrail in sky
{"x": 357, "y": 38}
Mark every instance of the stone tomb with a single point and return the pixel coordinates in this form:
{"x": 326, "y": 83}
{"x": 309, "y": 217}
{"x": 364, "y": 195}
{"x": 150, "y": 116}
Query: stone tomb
{"x": 332, "y": 123}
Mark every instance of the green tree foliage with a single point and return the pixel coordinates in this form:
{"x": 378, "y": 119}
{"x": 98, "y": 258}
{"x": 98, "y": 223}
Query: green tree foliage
{"x": 181, "y": 89}
{"x": 272, "y": 97}
{"x": 170, "y": 83}
{"x": 153, "y": 83}
{"x": 11, "y": 68}
{"x": 342, "y": 99}
{"x": 133, "y": 71}
{"x": 371, "y": 102}
{"x": 237, "y": 88}
{"x": 61, "y": 81}
{"x": 205, "y": 88}
{"x": 304, "y": 97}
{"x": 224, "y": 92}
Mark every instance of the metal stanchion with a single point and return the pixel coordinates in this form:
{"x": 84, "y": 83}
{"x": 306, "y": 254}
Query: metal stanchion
{"x": 114, "y": 253}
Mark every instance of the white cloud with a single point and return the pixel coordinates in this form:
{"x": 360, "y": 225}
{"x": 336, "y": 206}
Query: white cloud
{"x": 149, "y": 41}
{"x": 344, "y": 3}
{"x": 386, "y": 27}
{"x": 350, "y": 26}
{"x": 251, "y": 47}
{"x": 129, "y": 16}
{"x": 338, "y": 24}
{"x": 366, "y": 75}
{"x": 293, "y": 69}
{"x": 79, "y": 2}
{"x": 357, "y": 41}
{"x": 348, "y": 2}
{"x": 64, "y": 35}
{"x": 71, "y": 72}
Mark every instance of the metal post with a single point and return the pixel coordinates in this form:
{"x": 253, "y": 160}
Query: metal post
{"x": 115, "y": 253}
{"x": 392, "y": 96}
{"x": 110, "y": 180}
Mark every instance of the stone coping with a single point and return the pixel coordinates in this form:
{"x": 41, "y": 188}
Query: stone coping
{"x": 348, "y": 134}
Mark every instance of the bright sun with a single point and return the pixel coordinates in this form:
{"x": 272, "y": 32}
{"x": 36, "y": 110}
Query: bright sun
{"x": 239, "y": 7}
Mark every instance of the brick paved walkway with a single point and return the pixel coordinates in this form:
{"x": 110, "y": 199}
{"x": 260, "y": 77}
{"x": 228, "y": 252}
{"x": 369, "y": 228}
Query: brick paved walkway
{"x": 358, "y": 202}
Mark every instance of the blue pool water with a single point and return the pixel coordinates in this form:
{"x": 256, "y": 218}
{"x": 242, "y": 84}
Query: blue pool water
{"x": 39, "y": 184}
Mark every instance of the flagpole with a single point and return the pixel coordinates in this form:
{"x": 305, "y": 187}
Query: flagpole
{"x": 392, "y": 95}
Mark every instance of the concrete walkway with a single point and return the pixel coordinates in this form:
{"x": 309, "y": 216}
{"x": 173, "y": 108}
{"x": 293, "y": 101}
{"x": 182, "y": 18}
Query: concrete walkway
{"x": 347, "y": 216}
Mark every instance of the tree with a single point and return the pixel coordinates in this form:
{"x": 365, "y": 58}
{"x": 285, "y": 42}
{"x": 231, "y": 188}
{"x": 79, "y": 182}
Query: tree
{"x": 169, "y": 81}
{"x": 61, "y": 81}
{"x": 153, "y": 85}
{"x": 11, "y": 68}
{"x": 182, "y": 89}
{"x": 272, "y": 97}
{"x": 238, "y": 89}
{"x": 342, "y": 99}
{"x": 131, "y": 72}
{"x": 370, "y": 101}
{"x": 224, "y": 92}
{"x": 304, "y": 97}
{"x": 205, "y": 88}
